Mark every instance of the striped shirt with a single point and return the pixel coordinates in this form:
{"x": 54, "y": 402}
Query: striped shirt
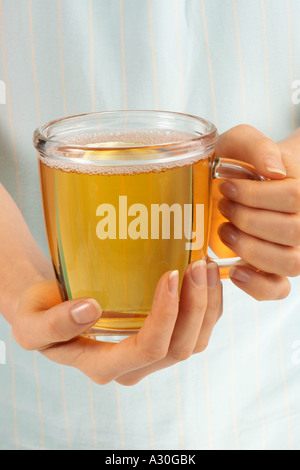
{"x": 231, "y": 62}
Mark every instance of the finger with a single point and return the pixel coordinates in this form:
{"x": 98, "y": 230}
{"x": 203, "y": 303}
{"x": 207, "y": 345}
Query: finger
{"x": 265, "y": 256}
{"x": 193, "y": 303}
{"x": 214, "y": 308}
{"x": 280, "y": 196}
{"x": 35, "y": 328}
{"x": 245, "y": 143}
{"x": 104, "y": 362}
{"x": 275, "y": 227}
{"x": 198, "y": 314}
{"x": 260, "y": 285}
{"x": 155, "y": 335}
{"x": 192, "y": 308}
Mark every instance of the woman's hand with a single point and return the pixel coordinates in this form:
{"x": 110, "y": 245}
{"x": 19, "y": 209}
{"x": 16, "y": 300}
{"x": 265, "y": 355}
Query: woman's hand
{"x": 172, "y": 332}
{"x": 264, "y": 217}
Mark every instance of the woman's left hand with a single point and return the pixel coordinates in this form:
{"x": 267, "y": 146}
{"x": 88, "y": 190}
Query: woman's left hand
{"x": 262, "y": 218}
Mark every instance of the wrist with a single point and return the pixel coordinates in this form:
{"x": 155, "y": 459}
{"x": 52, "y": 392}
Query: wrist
{"x": 22, "y": 262}
{"x": 11, "y": 294}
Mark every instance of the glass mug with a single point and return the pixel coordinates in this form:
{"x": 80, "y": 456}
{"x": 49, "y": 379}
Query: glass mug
{"x": 127, "y": 196}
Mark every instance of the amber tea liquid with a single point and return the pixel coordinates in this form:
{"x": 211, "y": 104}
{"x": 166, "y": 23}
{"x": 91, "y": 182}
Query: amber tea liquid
{"x": 113, "y": 232}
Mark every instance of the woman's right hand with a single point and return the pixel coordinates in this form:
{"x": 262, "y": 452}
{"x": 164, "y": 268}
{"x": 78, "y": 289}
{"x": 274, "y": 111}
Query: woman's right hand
{"x": 172, "y": 332}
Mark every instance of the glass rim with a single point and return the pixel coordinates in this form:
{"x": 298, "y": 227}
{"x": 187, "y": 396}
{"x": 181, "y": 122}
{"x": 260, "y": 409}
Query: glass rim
{"x": 56, "y": 149}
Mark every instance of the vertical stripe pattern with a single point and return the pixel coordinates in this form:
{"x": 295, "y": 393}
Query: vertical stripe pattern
{"x": 210, "y": 58}
{"x": 8, "y": 98}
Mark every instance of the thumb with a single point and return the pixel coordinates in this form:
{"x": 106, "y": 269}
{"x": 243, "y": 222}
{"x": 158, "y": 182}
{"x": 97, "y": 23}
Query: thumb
{"x": 247, "y": 144}
{"x": 36, "y": 329}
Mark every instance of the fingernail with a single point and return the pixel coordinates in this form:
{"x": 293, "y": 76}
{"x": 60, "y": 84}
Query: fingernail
{"x": 240, "y": 275}
{"x": 274, "y": 165}
{"x": 174, "y": 282}
{"x": 198, "y": 273}
{"x": 228, "y": 234}
{"x": 226, "y": 207}
{"x": 228, "y": 189}
{"x": 86, "y": 312}
{"x": 213, "y": 275}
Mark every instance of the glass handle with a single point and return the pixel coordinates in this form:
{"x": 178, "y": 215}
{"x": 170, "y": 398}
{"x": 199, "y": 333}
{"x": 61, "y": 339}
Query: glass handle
{"x": 224, "y": 168}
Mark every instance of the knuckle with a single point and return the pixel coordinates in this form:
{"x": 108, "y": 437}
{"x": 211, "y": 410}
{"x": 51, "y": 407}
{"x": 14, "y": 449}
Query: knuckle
{"x": 128, "y": 381}
{"x": 285, "y": 290}
{"x": 246, "y": 247}
{"x": 179, "y": 354}
{"x": 201, "y": 346}
{"x": 262, "y": 296}
{"x": 242, "y": 219}
{"x": 278, "y": 289}
{"x": 102, "y": 380}
{"x": 210, "y": 320}
{"x": 244, "y": 128}
{"x": 251, "y": 195}
{"x": 293, "y": 230}
{"x": 294, "y": 196}
{"x": 282, "y": 292}
{"x": 214, "y": 306}
{"x": 292, "y": 263}
{"x": 234, "y": 133}
{"x": 52, "y": 328}
{"x": 20, "y": 337}
{"x": 154, "y": 354}
{"x": 265, "y": 146}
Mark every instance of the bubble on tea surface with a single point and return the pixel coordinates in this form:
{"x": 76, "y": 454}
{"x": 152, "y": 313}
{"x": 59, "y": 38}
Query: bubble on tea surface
{"x": 108, "y": 147}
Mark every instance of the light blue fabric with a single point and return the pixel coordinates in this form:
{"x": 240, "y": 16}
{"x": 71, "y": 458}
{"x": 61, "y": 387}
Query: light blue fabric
{"x": 227, "y": 61}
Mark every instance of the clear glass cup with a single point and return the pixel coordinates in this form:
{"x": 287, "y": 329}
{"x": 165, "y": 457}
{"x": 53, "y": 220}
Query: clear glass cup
{"x": 127, "y": 196}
